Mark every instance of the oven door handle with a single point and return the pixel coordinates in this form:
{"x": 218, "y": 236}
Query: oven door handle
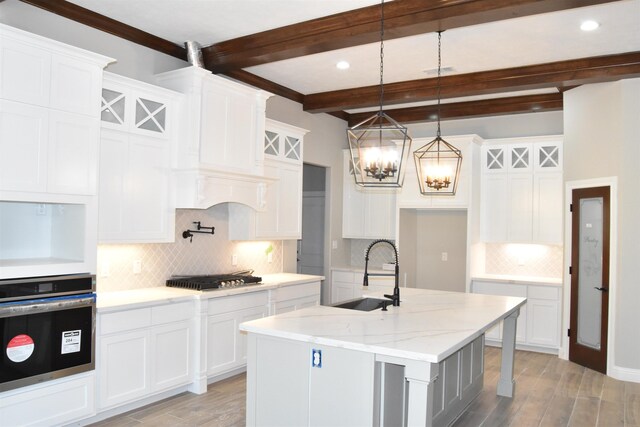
{"x": 46, "y": 305}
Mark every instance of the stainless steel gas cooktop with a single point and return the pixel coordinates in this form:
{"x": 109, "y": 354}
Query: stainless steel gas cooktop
{"x": 215, "y": 281}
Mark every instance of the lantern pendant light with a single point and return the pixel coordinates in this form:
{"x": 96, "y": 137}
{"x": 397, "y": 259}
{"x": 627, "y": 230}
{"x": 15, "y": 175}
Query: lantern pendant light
{"x": 438, "y": 162}
{"x": 379, "y": 146}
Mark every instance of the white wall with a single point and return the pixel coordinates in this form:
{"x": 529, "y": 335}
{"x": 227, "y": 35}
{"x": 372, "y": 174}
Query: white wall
{"x": 602, "y": 128}
{"x": 534, "y": 124}
{"x": 425, "y": 235}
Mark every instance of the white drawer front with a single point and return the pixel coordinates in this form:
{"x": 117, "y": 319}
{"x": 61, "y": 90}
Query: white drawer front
{"x": 543, "y": 292}
{"x": 343, "y": 276}
{"x": 172, "y": 313}
{"x": 297, "y": 291}
{"x": 124, "y": 320}
{"x": 237, "y": 302}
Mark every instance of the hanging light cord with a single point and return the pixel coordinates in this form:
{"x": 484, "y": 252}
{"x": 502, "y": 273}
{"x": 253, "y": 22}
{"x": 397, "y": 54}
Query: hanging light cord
{"x": 439, "y": 66}
{"x": 381, "y": 55}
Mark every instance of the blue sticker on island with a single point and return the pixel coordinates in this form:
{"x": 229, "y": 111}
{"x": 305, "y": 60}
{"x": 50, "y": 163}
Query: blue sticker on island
{"x": 316, "y": 358}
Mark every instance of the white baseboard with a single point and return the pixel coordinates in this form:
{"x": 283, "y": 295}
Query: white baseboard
{"x": 625, "y": 374}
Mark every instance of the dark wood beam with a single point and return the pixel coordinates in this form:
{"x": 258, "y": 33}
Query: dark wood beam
{"x": 264, "y": 84}
{"x": 111, "y": 26}
{"x": 464, "y": 110}
{"x": 361, "y": 26}
{"x": 555, "y": 74}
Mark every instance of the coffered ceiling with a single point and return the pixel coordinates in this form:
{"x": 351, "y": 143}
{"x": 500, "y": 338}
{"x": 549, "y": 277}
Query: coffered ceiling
{"x": 500, "y": 57}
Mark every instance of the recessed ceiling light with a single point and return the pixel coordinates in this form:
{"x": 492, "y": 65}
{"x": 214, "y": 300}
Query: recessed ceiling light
{"x": 589, "y": 25}
{"x": 342, "y": 65}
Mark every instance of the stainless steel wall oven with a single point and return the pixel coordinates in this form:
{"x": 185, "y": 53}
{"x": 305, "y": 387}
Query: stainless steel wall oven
{"x": 47, "y": 327}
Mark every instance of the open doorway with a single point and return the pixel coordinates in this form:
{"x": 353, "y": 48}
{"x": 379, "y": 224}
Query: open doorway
{"x": 310, "y": 258}
{"x": 433, "y": 249}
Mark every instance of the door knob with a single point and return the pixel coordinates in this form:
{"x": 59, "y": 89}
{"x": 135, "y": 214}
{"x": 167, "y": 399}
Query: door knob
{"x": 600, "y": 289}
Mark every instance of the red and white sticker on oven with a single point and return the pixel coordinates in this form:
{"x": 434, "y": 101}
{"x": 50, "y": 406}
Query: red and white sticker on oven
{"x": 71, "y": 341}
{"x": 20, "y": 348}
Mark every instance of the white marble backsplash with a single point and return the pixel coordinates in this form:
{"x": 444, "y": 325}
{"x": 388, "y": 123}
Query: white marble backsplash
{"x": 512, "y": 259}
{"x": 207, "y": 254}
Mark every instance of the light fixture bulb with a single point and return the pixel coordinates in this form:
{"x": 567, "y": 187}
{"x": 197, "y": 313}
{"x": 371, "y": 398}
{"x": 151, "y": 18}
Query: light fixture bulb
{"x": 589, "y": 25}
{"x": 342, "y": 65}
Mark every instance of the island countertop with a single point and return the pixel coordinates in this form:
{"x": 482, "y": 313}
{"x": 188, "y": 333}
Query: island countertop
{"x": 428, "y": 326}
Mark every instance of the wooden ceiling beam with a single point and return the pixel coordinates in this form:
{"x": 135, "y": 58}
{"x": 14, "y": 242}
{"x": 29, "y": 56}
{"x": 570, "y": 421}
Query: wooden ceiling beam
{"x": 103, "y": 23}
{"x": 470, "y": 109}
{"x": 403, "y": 18}
{"x": 555, "y": 74}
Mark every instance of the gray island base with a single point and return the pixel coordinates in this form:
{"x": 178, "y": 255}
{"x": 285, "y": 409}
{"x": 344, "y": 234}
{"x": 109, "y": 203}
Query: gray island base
{"x": 419, "y": 364}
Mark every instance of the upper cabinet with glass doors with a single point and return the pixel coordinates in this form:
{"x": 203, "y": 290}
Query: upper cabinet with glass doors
{"x": 521, "y": 190}
{"x": 135, "y": 109}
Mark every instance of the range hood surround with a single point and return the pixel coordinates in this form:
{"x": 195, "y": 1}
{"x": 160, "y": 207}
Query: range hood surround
{"x": 221, "y": 156}
{"x": 201, "y": 189}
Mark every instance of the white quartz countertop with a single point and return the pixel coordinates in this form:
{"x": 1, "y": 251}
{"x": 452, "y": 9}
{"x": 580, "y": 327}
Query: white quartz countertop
{"x": 117, "y": 300}
{"x": 428, "y": 326}
{"x": 518, "y": 279}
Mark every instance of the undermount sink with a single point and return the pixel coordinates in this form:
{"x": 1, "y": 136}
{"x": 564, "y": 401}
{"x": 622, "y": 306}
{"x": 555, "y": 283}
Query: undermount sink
{"x": 363, "y": 304}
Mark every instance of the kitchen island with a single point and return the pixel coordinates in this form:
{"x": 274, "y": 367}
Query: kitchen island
{"x": 417, "y": 364}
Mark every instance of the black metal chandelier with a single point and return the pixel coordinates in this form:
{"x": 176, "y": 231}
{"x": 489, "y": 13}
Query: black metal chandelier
{"x": 438, "y": 162}
{"x": 379, "y": 145}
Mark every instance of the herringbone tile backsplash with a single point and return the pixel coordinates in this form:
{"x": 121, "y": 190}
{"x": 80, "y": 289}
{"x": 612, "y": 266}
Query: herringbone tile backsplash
{"x": 207, "y": 254}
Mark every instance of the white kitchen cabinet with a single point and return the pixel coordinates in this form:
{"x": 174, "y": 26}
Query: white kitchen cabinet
{"x": 49, "y": 109}
{"x": 538, "y": 325}
{"x": 137, "y": 195}
{"x": 512, "y": 290}
{"x": 57, "y": 402}
{"x": 123, "y": 368}
{"x": 543, "y": 305}
{"x": 547, "y": 207}
{"x": 282, "y": 217}
{"x": 136, "y": 198}
{"x": 367, "y": 213}
{"x": 226, "y": 346}
{"x": 295, "y": 297}
{"x": 521, "y": 194}
{"x": 144, "y": 351}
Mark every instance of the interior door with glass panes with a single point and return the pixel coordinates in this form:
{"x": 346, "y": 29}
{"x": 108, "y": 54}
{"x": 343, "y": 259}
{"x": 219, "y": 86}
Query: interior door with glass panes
{"x": 589, "y": 277}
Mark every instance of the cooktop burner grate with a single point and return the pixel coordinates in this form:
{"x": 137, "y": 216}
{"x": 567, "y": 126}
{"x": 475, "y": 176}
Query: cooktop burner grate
{"x": 213, "y": 282}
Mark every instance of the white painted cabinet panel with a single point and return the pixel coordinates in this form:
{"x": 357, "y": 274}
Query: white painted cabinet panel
{"x": 57, "y": 402}
{"x": 136, "y": 200}
{"x": 519, "y": 207}
{"x": 24, "y": 134}
{"x": 73, "y": 153}
{"x": 26, "y": 72}
{"x": 547, "y": 207}
{"x": 172, "y": 365}
{"x": 123, "y": 368}
{"x": 75, "y": 86}
{"x": 494, "y": 211}
{"x": 544, "y": 327}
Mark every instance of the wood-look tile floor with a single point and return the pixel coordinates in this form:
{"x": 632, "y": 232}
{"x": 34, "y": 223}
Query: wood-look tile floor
{"x": 549, "y": 392}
